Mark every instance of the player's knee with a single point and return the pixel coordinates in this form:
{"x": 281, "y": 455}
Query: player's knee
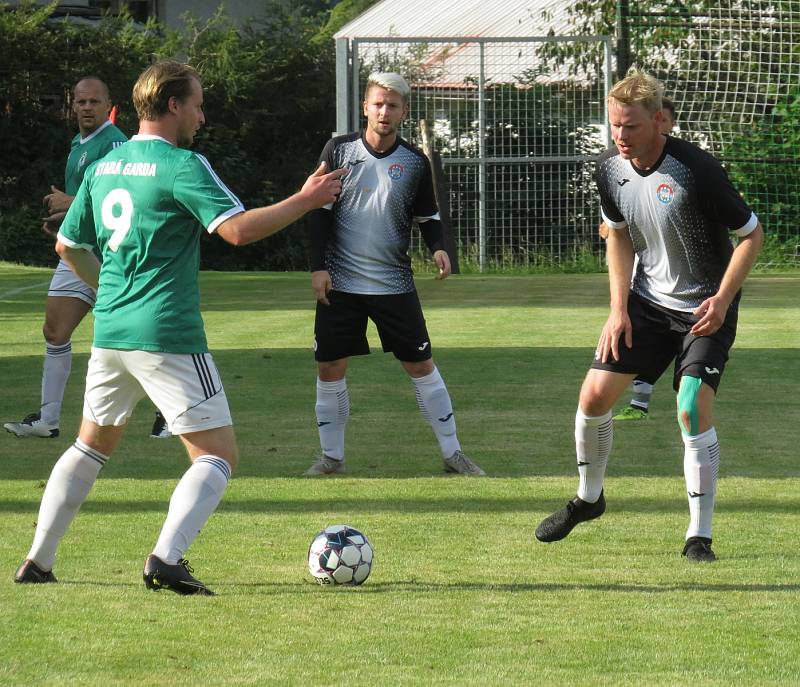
{"x": 332, "y": 370}
{"x": 688, "y": 407}
{"x": 420, "y": 368}
{"x": 54, "y": 334}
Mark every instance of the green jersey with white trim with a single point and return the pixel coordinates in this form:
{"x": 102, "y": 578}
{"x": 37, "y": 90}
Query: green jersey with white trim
{"x": 145, "y": 205}
{"x": 84, "y": 151}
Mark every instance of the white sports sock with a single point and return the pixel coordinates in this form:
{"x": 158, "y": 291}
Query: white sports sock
{"x": 701, "y": 468}
{"x": 333, "y": 410}
{"x": 642, "y": 391}
{"x": 70, "y": 482}
{"x": 593, "y": 439}
{"x": 436, "y": 407}
{"x": 194, "y": 500}
{"x": 55, "y": 373}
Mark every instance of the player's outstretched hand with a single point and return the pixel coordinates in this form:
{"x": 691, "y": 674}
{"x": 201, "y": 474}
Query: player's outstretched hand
{"x": 712, "y": 313}
{"x": 323, "y": 187}
{"x": 442, "y": 260}
{"x": 321, "y": 284}
{"x": 617, "y": 326}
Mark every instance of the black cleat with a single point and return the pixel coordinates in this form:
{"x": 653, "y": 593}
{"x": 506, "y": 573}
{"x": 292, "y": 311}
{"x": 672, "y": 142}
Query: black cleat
{"x": 30, "y": 573}
{"x": 698, "y": 550}
{"x": 160, "y": 429}
{"x": 177, "y": 578}
{"x": 32, "y": 426}
{"x": 560, "y": 524}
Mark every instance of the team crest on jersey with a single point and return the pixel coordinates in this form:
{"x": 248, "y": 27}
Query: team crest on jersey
{"x": 82, "y": 160}
{"x": 665, "y": 193}
{"x": 396, "y": 171}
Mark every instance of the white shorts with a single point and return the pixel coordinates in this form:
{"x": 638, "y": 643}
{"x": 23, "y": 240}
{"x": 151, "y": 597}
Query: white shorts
{"x": 186, "y": 388}
{"x": 66, "y": 284}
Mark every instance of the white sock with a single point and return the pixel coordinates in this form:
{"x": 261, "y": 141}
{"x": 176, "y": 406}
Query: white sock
{"x": 701, "y": 468}
{"x": 436, "y": 407}
{"x": 642, "y": 391}
{"x": 593, "y": 439}
{"x": 55, "y": 373}
{"x": 70, "y": 483}
{"x": 194, "y": 500}
{"x": 333, "y": 410}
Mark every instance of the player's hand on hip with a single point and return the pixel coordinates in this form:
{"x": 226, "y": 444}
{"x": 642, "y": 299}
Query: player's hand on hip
{"x": 712, "y": 313}
{"x": 617, "y": 326}
{"x": 322, "y": 187}
{"x": 442, "y": 260}
{"x": 321, "y": 284}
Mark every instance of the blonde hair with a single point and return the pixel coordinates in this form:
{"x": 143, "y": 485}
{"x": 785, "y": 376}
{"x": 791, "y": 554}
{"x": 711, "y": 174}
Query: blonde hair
{"x": 160, "y": 82}
{"x": 391, "y": 81}
{"x": 638, "y": 88}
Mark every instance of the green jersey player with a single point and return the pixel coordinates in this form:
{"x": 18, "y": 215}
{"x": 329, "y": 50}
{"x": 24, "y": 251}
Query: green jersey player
{"x": 145, "y": 206}
{"x": 69, "y": 298}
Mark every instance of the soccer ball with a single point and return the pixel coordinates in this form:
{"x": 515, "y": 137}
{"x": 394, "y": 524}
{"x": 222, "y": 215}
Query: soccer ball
{"x": 340, "y": 555}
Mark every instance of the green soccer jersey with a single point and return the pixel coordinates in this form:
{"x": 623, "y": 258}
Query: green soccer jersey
{"x": 145, "y": 206}
{"x": 84, "y": 151}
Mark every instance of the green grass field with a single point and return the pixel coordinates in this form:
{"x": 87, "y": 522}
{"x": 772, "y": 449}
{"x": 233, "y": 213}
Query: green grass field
{"x": 461, "y": 592}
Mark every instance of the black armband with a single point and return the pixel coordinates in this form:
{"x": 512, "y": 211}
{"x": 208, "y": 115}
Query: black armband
{"x": 431, "y": 231}
{"x": 320, "y": 224}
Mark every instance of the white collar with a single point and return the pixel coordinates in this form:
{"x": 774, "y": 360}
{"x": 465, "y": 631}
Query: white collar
{"x": 96, "y": 131}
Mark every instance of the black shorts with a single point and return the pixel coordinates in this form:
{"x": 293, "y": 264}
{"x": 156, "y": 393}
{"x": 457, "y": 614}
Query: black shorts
{"x": 661, "y": 335}
{"x": 340, "y": 329}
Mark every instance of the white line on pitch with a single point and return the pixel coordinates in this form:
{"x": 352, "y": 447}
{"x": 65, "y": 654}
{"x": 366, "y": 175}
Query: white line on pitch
{"x": 14, "y": 292}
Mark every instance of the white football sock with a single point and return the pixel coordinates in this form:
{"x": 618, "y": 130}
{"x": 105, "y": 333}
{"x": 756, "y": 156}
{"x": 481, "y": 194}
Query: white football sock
{"x": 333, "y": 410}
{"x": 701, "y": 468}
{"x": 642, "y": 391}
{"x": 593, "y": 439}
{"x": 436, "y": 407}
{"x": 55, "y": 373}
{"x": 70, "y": 483}
{"x": 194, "y": 500}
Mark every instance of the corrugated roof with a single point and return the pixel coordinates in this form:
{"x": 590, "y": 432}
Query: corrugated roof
{"x": 455, "y": 63}
{"x": 495, "y": 18}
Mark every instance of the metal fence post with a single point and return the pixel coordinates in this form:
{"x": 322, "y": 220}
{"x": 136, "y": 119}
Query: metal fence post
{"x": 481, "y": 162}
{"x": 355, "y": 122}
{"x": 342, "y": 86}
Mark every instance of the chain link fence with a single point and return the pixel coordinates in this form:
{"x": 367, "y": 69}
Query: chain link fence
{"x": 733, "y": 70}
{"x": 518, "y": 121}
{"x": 517, "y": 140}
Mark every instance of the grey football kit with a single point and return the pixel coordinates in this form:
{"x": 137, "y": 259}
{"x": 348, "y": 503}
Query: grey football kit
{"x": 679, "y": 214}
{"x": 362, "y": 240}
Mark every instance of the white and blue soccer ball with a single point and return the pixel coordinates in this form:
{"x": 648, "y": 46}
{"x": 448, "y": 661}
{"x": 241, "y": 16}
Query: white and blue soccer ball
{"x": 340, "y": 554}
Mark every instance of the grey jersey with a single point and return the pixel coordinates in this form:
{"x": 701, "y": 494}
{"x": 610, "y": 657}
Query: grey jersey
{"x": 679, "y": 214}
{"x": 382, "y": 195}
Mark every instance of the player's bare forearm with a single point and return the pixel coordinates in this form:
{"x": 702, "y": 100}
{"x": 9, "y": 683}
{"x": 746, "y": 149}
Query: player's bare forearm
{"x": 620, "y": 266}
{"x": 84, "y": 263}
{"x": 320, "y": 189}
{"x": 712, "y": 311}
{"x": 619, "y": 254}
{"x": 742, "y": 261}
